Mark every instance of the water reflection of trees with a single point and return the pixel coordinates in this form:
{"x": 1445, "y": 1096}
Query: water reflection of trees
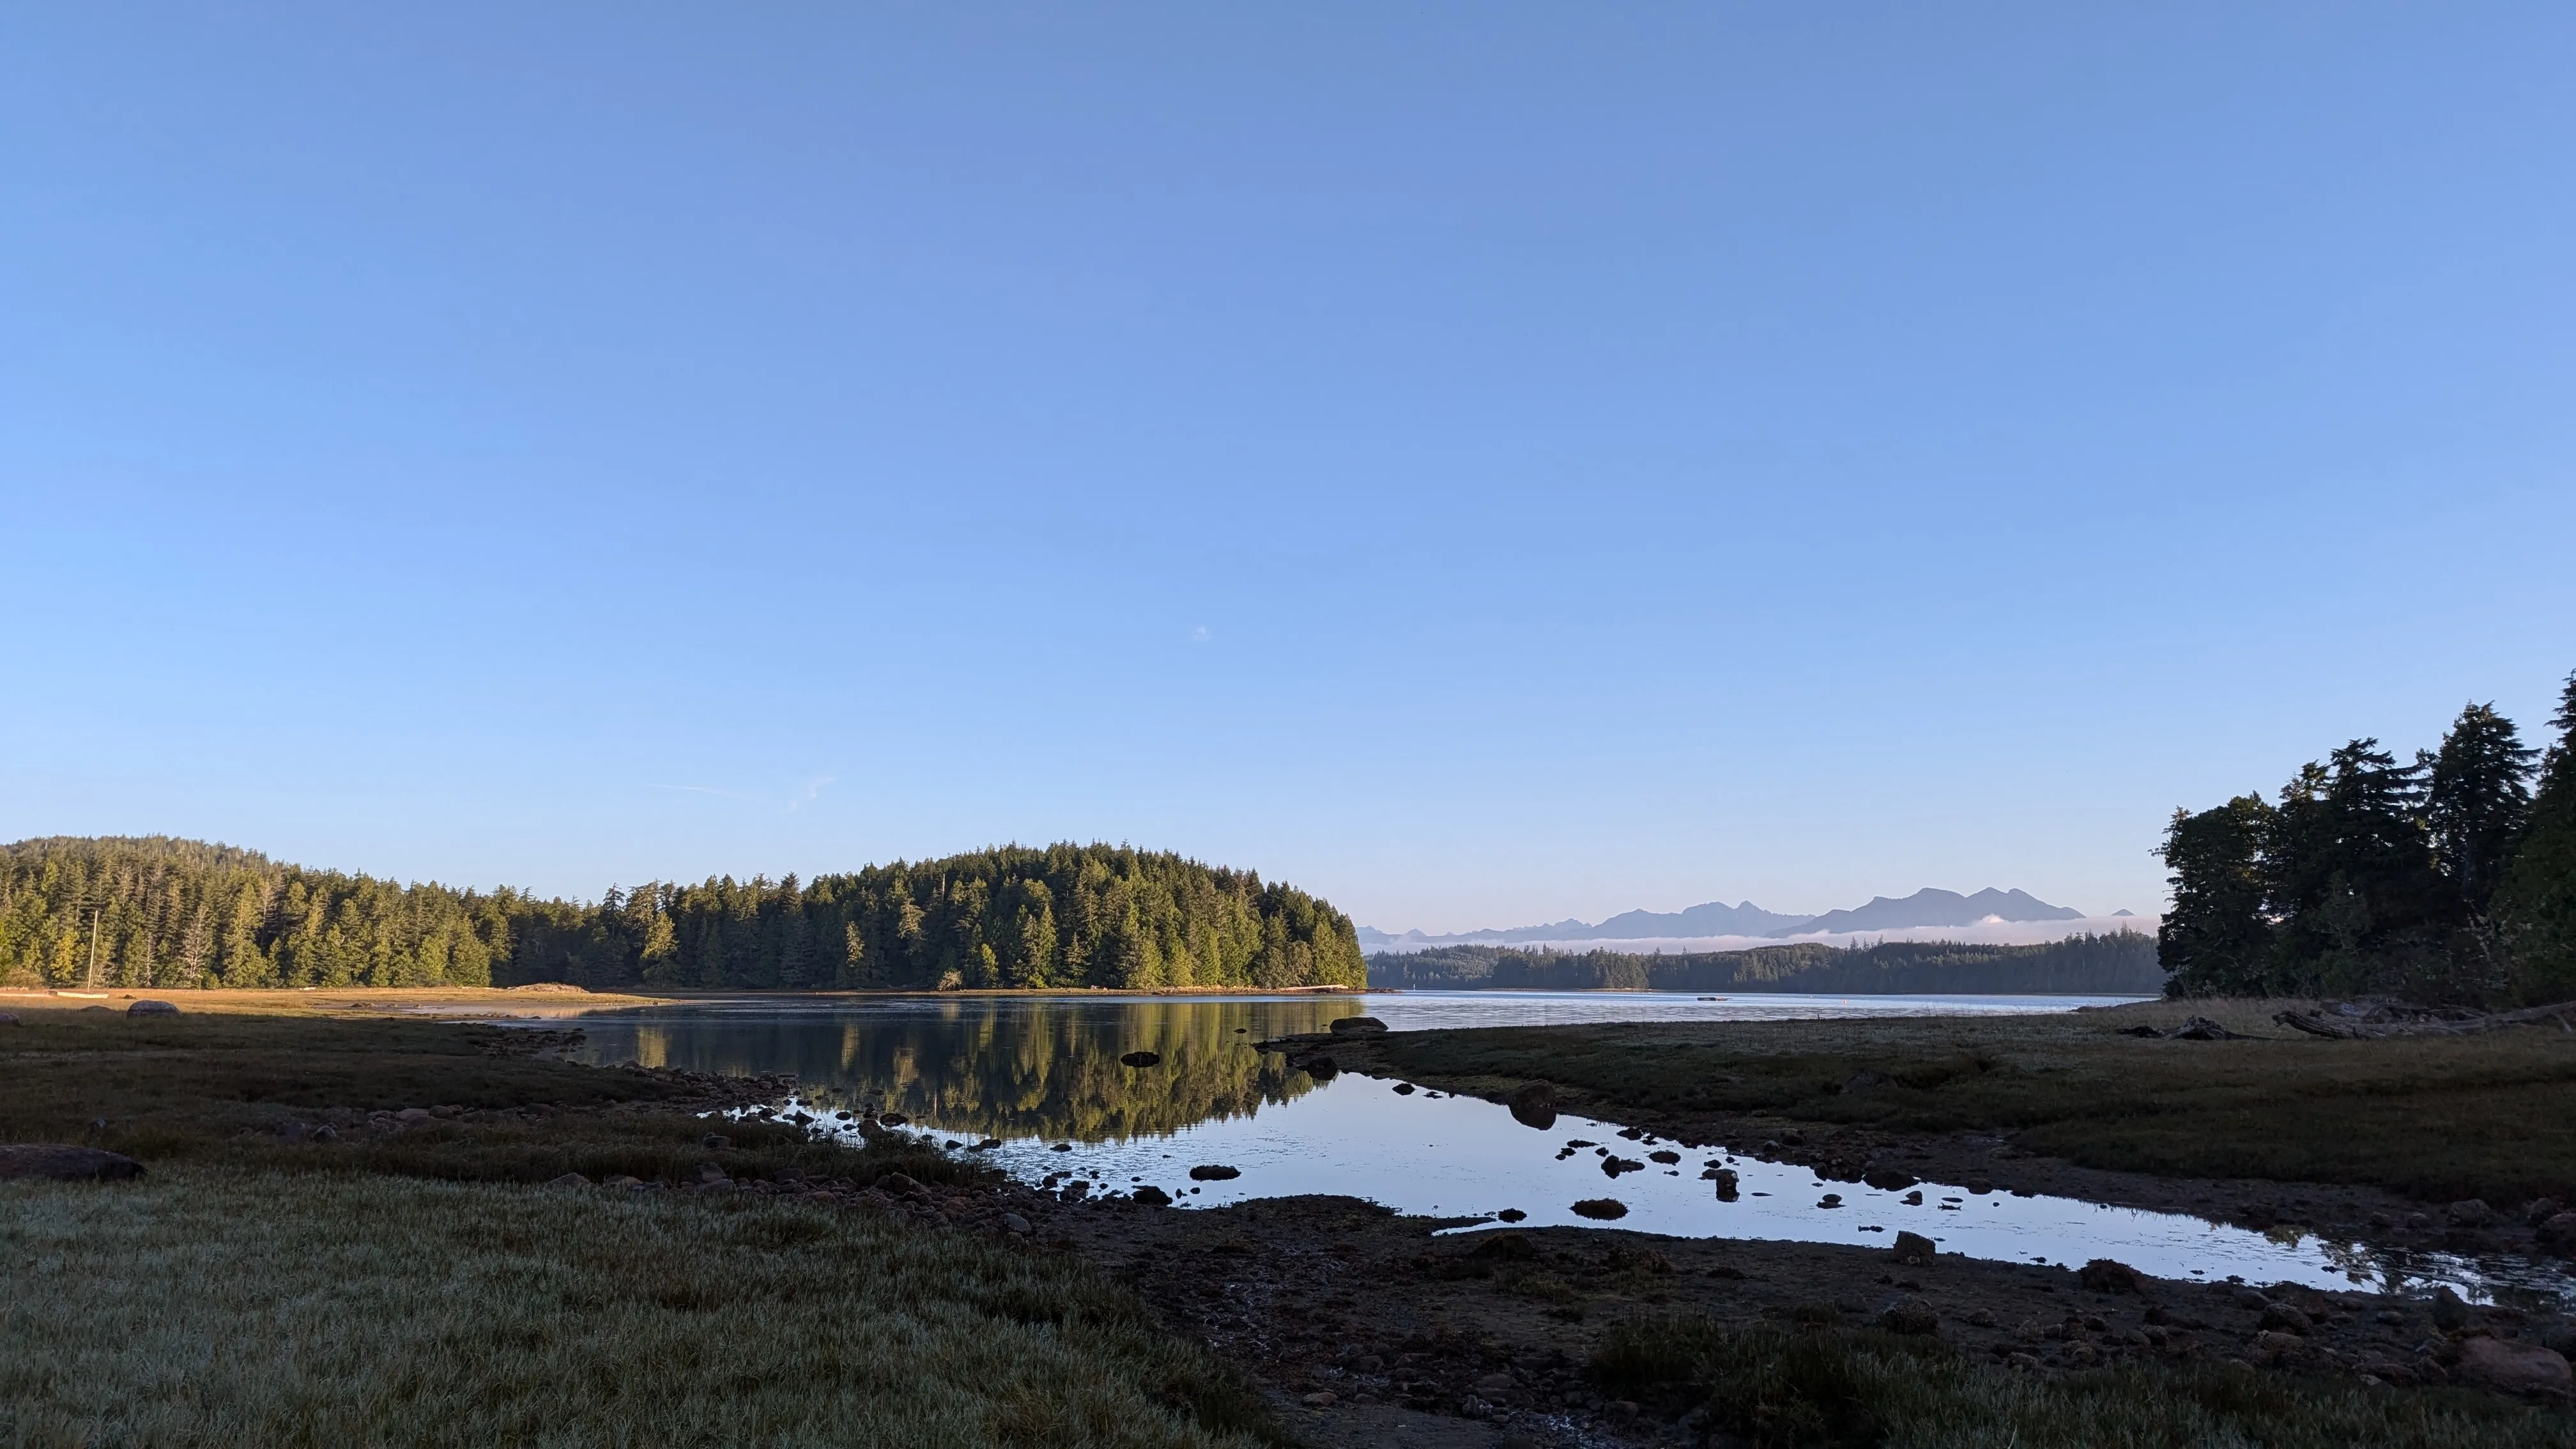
{"x": 1009, "y": 1068}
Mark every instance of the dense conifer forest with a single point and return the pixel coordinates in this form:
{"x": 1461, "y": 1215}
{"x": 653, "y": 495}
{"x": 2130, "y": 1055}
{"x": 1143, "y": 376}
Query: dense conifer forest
{"x": 176, "y": 913}
{"x": 2123, "y": 963}
{"x": 2448, "y": 878}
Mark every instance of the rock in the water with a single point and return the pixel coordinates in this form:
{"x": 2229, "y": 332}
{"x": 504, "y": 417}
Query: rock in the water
{"x": 1601, "y": 1209}
{"x": 1014, "y": 1223}
{"x": 1511, "y": 1215}
{"x": 1613, "y": 1166}
{"x": 2514, "y": 1368}
{"x": 1318, "y": 1066}
{"x": 2105, "y": 1275}
{"x": 152, "y": 1008}
{"x": 1404, "y": 1089}
{"x": 1359, "y": 1026}
{"x": 1912, "y": 1248}
{"x": 1143, "y": 1059}
{"x": 1665, "y": 1155}
{"x": 1913, "y": 1316}
{"x": 569, "y": 1179}
{"x": 1533, "y": 1104}
{"x": 1724, "y": 1177}
{"x": 53, "y": 1162}
{"x": 1151, "y": 1196}
{"x": 1214, "y": 1172}
{"x": 892, "y": 1119}
{"x": 1888, "y": 1179}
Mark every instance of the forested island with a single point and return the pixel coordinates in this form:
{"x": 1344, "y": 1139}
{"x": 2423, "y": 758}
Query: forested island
{"x": 2119, "y": 964}
{"x": 2448, "y": 878}
{"x": 161, "y": 912}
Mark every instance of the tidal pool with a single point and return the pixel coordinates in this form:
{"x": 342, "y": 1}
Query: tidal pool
{"x": 1043, "y": 1075}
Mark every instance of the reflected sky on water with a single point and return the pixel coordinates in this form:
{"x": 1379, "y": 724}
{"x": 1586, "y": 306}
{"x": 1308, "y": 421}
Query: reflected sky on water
{"x": 1037, "y": 1072}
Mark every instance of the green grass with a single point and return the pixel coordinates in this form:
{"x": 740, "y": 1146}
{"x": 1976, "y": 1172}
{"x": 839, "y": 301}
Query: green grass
{"x": 208, "y": 1306}
{"x": 1784, "y": 1389}
{"x": 2492, "y": 1116}
{"x": 410, "y": 1288}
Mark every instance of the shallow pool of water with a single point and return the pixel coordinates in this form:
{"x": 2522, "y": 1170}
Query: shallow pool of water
{"x": 1043, "y": 1075}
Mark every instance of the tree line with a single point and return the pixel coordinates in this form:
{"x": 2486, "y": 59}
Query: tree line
{"x": 2120, "y": 963}
{"x": 2450, "y": 877}
{"x": 162, "y": 913}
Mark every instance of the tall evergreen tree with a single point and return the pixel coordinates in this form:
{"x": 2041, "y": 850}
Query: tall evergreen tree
{"x": 2535, "y": 905}
{"x": 2478, "y": 797}
{"x": 2215, "y": 939}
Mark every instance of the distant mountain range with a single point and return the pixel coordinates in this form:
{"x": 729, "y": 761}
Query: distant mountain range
{"x": 1925, "y": 907}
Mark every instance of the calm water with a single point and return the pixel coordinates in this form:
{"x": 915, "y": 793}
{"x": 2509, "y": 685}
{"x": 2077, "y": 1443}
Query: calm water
{"x": 1042, "y": 1074}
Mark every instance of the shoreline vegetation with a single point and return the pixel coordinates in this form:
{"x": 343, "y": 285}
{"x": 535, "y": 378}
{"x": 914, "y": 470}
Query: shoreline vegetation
{"x": 2122, "y": 963}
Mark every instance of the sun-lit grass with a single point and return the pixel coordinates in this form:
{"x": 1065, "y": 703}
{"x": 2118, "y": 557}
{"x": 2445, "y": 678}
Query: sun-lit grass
{"x": 2489, "y": 1116}
{"x": 208, "y": 1306}
{"x": 1775, "y": 1388}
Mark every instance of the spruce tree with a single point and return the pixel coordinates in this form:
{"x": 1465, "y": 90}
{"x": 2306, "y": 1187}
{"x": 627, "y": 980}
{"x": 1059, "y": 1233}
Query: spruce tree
{"x": 2535, "y": 906}
{"x": 2479, "y": 794}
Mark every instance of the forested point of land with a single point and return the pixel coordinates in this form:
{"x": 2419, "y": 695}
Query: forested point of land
{"x": 2119, "y": 964}
{"x": 2447, "y": 879}
{"x": 162, "y": 913}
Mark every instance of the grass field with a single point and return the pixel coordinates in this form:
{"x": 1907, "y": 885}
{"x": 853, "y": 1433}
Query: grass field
{"x": 411, "y": 1288}
{"x": 2490, "y": 1116}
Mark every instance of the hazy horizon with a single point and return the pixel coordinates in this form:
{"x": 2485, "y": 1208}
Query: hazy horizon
{"x": 1483, "y": 465}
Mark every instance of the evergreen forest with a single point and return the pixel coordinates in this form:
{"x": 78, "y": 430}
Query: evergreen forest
{"x": 165, "y": 913}
{"x": 2122, "y": 963}
{"x": 2447, "y": 879}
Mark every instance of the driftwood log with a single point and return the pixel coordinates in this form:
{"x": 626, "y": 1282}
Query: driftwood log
{"x": 2347, "y": 1024}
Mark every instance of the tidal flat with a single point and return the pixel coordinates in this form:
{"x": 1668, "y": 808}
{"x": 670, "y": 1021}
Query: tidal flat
{"x": 414, "y": 1280}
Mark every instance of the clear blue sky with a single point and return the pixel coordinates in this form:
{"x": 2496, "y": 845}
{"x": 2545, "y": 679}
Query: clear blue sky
{"x": 1485, "y": 463}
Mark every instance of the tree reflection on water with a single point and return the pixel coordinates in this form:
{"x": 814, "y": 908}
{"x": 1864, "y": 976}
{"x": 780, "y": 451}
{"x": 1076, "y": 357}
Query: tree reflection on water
{"x": 999, "y": 1066}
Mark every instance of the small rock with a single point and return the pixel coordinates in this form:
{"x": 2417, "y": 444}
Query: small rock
{"x": 324, "y": 1133}
{"x": 1887, "y": 1179}
{"x": 1862, "y": 1082}
{"x": 1601, "y": 1209}
{"x": 2450, "y": 1312}
{"x": 412, "y": 1114}
{"x": 2557, "y": 1232}
{"x": 152, "y": 1008}
{"x": 1612, "y": 1166}
{"x": 1511, "y": 1215}
{"x": 1912, "y": 1248}
{"x": 1725, "y": 1179}
{"x": 1533, "y": 1104}
{"x": 1505, "y": 1247}
{"x": 2272, "y": 1345}
{"x": 901, "y": 1185}
{"x": 1214, "y": 1172}
{"x": 10, "y": 1018}
{"x": 1359, "y": 1026}
{"x": 2286, "y": 1319}
{"x": 1495, "y": 1385}
{"x": 53, "y": 1163}
{"x": 1014, "y": 1223}
{"x": 1319, "y": 1399}
{"x": 715, "y": 1142}
{"x": 1980, "y": 1186}
{"x": 1404, "y": 1089}
{"x": 621, "y": 1180}
{"x": 2469, "y": 1213}
{"x": 2539, "y": 1210}
{"x": 1665, "y": 1156}
{"x": 1143, "y": 1059}
{"x": 2514, "y": 1368}
{"x": 1151, "y": 1196}
{"x": 1830, "y": 1200}
{"x": 1913, "y": 1317}
{"x": 2105, "y": 1275}
{"x": 893, "y": 1119}
{"x": 1982, "y": 1318}
{"x": 569, "y": 1179}
{"x": 1318, "y": 1066}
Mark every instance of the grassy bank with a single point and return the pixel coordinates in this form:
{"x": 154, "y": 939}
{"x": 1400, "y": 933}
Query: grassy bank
{"x": 2490, "y": 1116}
{"x": 1777, "y": 1389}
{"x": 407, "y": 1286}
{"x": 213, "y": 1306}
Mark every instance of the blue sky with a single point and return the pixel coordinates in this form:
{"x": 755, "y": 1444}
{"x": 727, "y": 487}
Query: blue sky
{"x": 1485, "y": 463}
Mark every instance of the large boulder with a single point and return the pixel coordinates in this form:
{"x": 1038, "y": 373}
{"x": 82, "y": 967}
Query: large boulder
{"x": 1601, "y": 1209}
{"x": 2513, "y": 1368}
{"x": 2557, "y": 1232}
{"x": 1912, "y": 1248}
{"x": 2107, "y": 1275}
{"x": 56, "y": 1162}
{"x": 1359, "y": 1026}
{"x": 152, "y": 1008}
